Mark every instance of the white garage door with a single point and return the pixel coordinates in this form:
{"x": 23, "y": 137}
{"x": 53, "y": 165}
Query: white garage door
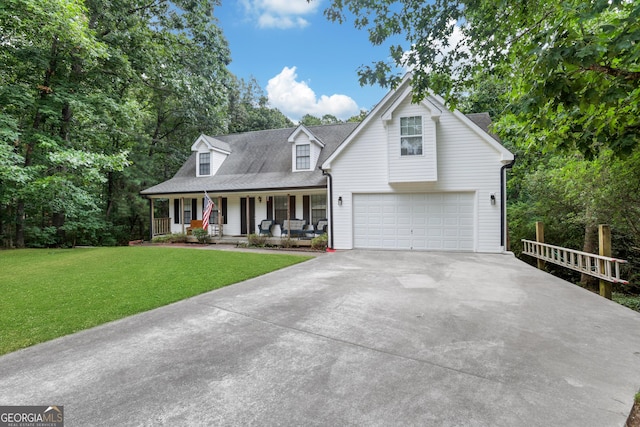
{"x": 430, "y": 221}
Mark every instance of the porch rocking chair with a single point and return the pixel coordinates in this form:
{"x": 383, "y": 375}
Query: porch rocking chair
{"x": 265, "y": 227}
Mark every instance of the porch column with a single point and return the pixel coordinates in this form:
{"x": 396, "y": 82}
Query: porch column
{"x": 220, "y": 219}
{"x": 248, "y": 216}
{"x": 151, "y": 233}
{"x": 182, "y": 213}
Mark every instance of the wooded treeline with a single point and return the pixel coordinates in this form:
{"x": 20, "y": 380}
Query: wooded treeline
{"x": 100, "y": 99}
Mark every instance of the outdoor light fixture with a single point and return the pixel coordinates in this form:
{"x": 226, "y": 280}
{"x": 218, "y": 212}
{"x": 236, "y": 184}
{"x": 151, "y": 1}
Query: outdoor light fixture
{"x": 259, "y": 199}
{"x": 339, "y": 200}
{"x": 493, "y": 199}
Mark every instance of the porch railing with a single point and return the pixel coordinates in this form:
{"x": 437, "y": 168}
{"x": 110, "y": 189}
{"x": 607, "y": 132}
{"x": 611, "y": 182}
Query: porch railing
{"x": 161, "y": 226}
{"x": 602, "y": 267}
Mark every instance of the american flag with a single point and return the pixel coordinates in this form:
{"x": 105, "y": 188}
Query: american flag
{"x": 207, "y": 211}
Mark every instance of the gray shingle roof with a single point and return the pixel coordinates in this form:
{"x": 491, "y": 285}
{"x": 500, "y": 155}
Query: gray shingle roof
{"x": 483, "y": 121}
{"x": 259, "y": 160}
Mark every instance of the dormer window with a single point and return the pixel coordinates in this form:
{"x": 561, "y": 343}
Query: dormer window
{"x": 411, "y": 136}
{"x": 210, "y": 154}
{"x": 303, "y": 156}
{"x": 305, "y": 149}
{"x": 205, "y": 164}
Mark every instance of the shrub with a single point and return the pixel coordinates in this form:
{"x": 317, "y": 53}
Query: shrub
{"x": 178, "y": 238}
{"x": 320, "y": 243}
{"x": 201, "y": 234}
{"x": 257, "y": 240}
{"x": 170, "y": 238}
{"x": 286, "y": 242}
{"x": 166, "y": 238}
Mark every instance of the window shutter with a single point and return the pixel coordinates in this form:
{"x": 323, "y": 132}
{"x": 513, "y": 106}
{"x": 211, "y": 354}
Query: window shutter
{"x": 194, "y": 208}
{"x": 305, "y": 208}
{"x": 292, "y": 207}
{"x": 270, "y": 208}
{"x": 176, "y": 211}
{"x": 224, "y": 210}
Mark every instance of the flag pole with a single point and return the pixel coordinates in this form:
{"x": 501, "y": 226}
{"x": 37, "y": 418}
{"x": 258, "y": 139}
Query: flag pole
{"x": 207, "y": 211}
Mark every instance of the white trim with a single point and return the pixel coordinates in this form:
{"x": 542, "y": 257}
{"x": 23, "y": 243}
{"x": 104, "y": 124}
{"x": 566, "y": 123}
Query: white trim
{"x": 198, "y": 154}
{"x": 506, "y": 156}
{"x": 295, "y": 157}
{"x": 203, "y": 139}
{"x": 437, "y": 106}
{"x": 434, "y": 110}
{"x": 312, "y": 137}
{"x": 379, "y": 107}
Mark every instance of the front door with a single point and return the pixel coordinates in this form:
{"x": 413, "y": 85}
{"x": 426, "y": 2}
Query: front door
{"x": 243, "y": 215}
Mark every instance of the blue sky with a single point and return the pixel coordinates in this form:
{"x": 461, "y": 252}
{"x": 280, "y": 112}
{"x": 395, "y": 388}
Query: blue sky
{"x": 304, "y": 63}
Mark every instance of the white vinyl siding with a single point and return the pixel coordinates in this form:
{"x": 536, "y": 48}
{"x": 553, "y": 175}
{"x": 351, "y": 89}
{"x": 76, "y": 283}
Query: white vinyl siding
{"x": 465, "y": 164}
{"x": 313, "y": 151}
{"x": 212, "y": 157}
{"x": 414, "y": 166}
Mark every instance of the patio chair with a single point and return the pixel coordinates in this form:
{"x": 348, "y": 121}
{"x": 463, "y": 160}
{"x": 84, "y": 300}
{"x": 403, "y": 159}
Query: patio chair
{"x": 265, "y": 227}
{"x": 321, "y": 227}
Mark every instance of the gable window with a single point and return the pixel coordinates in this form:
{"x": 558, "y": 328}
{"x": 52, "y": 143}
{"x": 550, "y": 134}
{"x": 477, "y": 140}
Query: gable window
{"x": 205, "y": 164}
{"x": 303, "y": 156}
{"x": 411, "y": 136}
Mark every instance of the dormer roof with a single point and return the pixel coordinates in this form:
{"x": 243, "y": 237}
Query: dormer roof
{"x": 212, "y": 144}
{"x": 257, "y": 160}
{"x": 303, "y": 129}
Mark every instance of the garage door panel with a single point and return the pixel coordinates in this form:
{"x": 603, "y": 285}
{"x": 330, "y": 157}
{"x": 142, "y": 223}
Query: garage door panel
{"x": 428, "y": 221}
{"x": 466, "y": 222}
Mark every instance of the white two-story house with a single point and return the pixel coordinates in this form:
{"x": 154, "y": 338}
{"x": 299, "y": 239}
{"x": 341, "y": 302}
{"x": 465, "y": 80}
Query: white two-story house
{"x": 409, "y": 176}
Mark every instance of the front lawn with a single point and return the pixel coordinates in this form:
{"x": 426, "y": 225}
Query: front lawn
{"x": 48, "y": 293}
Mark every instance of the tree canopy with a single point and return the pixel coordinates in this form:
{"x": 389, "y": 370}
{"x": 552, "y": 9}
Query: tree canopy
{"x": 572, "y": 66}
{"x": 96, "y": 100}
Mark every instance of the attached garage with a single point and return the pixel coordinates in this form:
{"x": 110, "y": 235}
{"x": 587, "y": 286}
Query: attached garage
{"x": 419, "y": 221}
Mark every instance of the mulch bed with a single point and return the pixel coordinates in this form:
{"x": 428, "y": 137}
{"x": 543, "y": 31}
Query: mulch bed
{"x": 634, "y": 416}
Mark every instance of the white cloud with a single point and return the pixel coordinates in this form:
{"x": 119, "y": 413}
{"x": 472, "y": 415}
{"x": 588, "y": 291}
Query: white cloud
{"x": 281, "y": 14}
{"x": 267, "y": 20}
{"x": 457, "y": 39}
{"x": 295, "y": 99}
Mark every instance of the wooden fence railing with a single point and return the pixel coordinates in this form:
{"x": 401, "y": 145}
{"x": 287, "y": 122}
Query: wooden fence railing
{"x": 602, "y": 267}
{"x": 161, "y": 226}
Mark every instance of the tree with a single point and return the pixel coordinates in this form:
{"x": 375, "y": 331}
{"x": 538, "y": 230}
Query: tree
{"x": 327, "y": 119}
{"x": 572, "y": 65}
{"x": 47, "y": 49}
{"x": 170, "y": 61}
{"x": 359, "y": 117}
{"x": 249, "y": 110}
{"x": 89, "y": 86}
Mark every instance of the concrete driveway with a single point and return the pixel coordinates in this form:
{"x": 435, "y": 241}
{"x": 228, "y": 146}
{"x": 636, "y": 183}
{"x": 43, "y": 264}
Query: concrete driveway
{"x": 351, "y": 338}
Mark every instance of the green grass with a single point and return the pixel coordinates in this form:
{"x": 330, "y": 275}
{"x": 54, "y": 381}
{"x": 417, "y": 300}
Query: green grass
{"x": 631, "y": 301}
{"x": 50, "y": 293}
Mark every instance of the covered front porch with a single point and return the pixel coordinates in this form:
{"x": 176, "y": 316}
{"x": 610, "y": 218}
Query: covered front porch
{"x": 237, "y": 215}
